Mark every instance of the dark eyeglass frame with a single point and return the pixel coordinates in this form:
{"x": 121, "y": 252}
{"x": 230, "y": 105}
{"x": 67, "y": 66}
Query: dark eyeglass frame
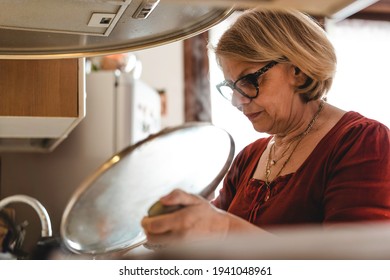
{"x": 252, "y": 78}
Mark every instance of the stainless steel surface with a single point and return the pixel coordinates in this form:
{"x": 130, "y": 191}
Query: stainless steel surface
{"x": 104, "y": 214}
{"x": 40, "y": 29}
{"x": 38, "y": 207}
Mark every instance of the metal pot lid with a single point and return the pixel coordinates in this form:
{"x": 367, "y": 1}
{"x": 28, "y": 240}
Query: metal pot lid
{"x": 105, "y": 212}
{"x": 39, "y": 29}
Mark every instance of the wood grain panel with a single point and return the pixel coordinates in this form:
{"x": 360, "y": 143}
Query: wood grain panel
{"x": 197, "y": 82}
{"x": 39, "y": 88}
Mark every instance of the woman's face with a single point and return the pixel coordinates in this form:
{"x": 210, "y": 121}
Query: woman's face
{"x": 276, "y": 108}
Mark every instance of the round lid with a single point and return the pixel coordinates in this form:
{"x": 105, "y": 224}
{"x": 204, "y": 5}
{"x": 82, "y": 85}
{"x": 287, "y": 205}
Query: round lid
{"x": 105, "y": 212}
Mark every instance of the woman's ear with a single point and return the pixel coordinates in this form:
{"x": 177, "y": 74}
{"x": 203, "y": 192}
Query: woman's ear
{"x": 300, "y": 78}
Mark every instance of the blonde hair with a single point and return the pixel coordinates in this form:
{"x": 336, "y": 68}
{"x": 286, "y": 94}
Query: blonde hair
{"x": 262, "y": 35}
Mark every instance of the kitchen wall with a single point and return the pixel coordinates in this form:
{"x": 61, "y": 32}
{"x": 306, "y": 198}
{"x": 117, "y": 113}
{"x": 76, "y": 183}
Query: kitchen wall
{"x": 163, "y": 69}
{"x": 52, "y": 178}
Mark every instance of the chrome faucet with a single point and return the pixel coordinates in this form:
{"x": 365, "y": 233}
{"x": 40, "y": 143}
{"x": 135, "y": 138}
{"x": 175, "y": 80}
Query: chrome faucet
{"x": 38, "y": 207}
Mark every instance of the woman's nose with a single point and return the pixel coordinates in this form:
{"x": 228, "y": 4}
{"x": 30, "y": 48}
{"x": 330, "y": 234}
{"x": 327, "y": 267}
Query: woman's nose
{"x": 238, "y": 99}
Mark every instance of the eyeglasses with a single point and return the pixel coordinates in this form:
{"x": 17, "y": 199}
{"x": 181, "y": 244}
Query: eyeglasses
{"x": 247, "y": 86}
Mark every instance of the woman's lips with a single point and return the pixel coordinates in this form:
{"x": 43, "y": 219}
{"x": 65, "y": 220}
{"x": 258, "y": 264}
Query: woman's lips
{"x": 253, "y": 116}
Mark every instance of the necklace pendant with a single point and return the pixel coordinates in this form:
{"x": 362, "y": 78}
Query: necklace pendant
{"x": 267, "y": 194}
{"x": 267, "y": 172}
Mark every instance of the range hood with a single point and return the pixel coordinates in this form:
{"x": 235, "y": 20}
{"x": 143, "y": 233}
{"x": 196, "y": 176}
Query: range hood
{"x": 40, "y": 29}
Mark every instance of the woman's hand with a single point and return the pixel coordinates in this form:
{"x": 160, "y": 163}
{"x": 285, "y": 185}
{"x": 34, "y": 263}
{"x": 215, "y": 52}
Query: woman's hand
{"x": 197, "y": 220}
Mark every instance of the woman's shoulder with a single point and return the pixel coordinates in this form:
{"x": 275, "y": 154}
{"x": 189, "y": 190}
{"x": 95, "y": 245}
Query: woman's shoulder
{"x": 357, "y": 134}
{"x": 355, "y": 123}
{"x": 253, "y": 150}
{"x": 256, "y": 146}
{"x": 354, "y": 118}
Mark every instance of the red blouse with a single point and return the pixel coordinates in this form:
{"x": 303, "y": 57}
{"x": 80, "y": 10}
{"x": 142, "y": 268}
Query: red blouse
{"x": 346, "y": 178}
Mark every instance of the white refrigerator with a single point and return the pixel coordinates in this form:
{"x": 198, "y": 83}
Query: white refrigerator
{"x": 125, "y": 107}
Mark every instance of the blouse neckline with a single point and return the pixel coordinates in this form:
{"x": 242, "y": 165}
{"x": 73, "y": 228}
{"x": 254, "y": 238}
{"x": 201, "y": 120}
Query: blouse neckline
{"x": 286, "y": 177}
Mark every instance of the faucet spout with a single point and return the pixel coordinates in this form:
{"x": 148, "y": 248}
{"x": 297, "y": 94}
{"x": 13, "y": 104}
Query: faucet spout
{"x": 38, "y": 207}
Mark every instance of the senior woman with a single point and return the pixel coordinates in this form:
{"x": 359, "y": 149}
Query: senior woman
{"x": 320, "y": 165}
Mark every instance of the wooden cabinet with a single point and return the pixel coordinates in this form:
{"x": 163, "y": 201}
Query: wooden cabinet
{"x": 41, "y": 101}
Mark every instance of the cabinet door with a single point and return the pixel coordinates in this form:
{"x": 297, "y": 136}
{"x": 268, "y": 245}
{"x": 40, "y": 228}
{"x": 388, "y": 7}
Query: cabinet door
{"x": 39, "y": 88}
{"x": 41, "y": 101}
